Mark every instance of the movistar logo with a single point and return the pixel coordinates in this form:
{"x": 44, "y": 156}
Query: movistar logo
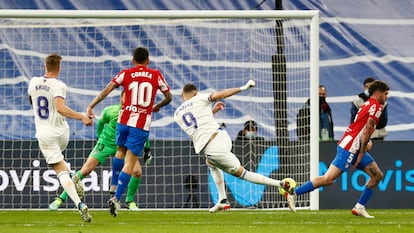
{"x": 244, "y": 192}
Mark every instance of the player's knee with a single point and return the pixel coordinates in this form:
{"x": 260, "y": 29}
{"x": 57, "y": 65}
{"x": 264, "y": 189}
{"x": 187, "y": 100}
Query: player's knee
{"x": 237, "y": 171}
{"x": 378, "y": 176}
{"x": 137, "y": 172}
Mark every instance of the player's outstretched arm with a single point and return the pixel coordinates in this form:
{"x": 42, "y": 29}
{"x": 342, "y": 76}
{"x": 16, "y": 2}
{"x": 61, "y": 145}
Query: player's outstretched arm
{"x": 232, "y": 91}
{"x": 104, "y": 93}
{"x": 66, "y": 111}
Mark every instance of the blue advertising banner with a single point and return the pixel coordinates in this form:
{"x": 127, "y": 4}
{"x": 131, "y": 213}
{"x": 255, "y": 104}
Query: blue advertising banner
{"x": 178, "y": 178}
{"x": 395, "y": 190}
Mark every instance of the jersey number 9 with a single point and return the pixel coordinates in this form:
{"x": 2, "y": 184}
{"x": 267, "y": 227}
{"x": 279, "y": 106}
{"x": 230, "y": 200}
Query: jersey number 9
{"x": 189, "y": 120}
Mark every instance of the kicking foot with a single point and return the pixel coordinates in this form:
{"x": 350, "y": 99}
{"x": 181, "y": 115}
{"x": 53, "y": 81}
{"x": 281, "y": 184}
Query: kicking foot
{"x": 291, "y": 200}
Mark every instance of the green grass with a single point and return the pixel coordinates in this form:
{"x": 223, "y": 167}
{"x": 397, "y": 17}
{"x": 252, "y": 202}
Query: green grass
{"x": 237, "y": 221}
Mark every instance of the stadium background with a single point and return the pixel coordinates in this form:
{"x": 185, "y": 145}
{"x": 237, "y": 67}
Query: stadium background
{"x": 358, "y": 39}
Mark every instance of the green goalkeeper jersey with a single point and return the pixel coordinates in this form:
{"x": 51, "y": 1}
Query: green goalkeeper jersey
{"x": 106, "y": 125}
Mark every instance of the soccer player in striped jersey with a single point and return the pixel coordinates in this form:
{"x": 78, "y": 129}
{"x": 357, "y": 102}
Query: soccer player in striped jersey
{"x": 47, "y": 95}
{"x": 104, "y": 148}
{"x": 353, "y": 148}
{"x": 195, "y": 117}
{"x": 140, "y": 84}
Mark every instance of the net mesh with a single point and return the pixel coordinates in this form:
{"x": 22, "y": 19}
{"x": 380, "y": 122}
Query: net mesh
{"x": 211, "y": 53}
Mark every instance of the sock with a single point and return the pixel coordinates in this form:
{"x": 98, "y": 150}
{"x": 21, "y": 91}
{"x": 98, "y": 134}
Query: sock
{"x": 111, "y": 193}
{"x": 80, "y": 174}
{"x": 133, "y": 186}
{"x": 68, "y": 185}
{"x": 365, "y": 196}
{"x": 147, "y": 144}
{"x": 218, "y": 178}
{"x": 117, "y": 165}
{"x": 259, "y": 179}
{"x": 357, "y": 205}
{"x": 123, "y": 181}
{"x": 64, "y": 194}
{"x": 306, "y": 188}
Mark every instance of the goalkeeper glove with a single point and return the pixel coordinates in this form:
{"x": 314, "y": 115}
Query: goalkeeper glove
{"x": 248, "y": 85}
{"x": 147, "y": 156}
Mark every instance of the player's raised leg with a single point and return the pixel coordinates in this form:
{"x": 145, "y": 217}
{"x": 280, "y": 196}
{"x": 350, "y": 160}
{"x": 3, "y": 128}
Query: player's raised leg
{"x": 218, "y": 152}
{"x": 261, "y": 179}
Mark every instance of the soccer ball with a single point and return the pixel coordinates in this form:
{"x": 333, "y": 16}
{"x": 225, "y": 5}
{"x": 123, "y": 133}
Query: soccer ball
{"x": 292, "y": 183}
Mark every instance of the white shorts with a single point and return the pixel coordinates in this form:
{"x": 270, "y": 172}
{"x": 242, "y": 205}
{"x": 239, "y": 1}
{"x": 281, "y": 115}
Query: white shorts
{"x": 53, "y": 147}
{"x": 218, "y": 153}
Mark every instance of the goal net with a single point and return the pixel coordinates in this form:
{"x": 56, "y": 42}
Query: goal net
{"x": 212, "y": 49}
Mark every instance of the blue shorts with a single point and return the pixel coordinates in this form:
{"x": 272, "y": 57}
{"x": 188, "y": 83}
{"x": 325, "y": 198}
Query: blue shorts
{"x": 345, "y": 159}
{"x": 132, "y": 138}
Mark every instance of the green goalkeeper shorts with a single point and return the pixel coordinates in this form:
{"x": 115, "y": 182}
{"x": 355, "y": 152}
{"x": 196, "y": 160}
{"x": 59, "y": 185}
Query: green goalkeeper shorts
{"x": 102, "y": 151}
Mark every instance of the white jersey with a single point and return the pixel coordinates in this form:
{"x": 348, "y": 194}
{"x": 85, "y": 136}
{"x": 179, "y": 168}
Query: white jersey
{"x": 196, "y": 118}
{"x": 43, "y": 91}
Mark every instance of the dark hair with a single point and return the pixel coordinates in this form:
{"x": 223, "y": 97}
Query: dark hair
{"x": 369, "y": 80}
{"x": 250, "y": 124}
{"x": 141, "y": 54}
{"x": 378, "y": 86}
{"x": 189, "y": 88}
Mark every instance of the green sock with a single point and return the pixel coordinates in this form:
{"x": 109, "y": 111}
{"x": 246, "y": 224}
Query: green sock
{"x": 147, "y": 144}
{"x": 64, "y": 195}
{"x": 80, "y": 174}
{"x": 133, "y": 186}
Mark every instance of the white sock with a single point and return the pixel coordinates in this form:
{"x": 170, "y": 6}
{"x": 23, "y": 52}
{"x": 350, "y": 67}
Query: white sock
{"x": 67, "y": 184}
{"x": 259, "y": 179}
{"x": 359, "y": 205}
{"x": 218, "y": 178}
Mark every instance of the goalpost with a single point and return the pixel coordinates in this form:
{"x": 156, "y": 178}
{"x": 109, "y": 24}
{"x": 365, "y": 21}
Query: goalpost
{"x": 212, "y": 49}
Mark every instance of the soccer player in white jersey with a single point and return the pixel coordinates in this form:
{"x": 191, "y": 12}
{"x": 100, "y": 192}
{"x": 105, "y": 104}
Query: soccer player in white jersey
{"x": 353, "y": 148}
{"x": 195, "y": 117}
{"x": 47, "y": 95}
{"x": 140, "y": 84}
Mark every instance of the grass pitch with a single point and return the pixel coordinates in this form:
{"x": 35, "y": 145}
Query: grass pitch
{"x": 200, "y": 221}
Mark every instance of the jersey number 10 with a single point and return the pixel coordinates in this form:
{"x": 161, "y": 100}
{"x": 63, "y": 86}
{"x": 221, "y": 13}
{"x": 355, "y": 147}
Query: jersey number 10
{"x": 141, "y": 93}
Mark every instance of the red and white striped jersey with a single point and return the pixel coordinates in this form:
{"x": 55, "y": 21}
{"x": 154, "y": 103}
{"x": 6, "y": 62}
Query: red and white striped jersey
{"x": 140, "y": 85}
{"x": 352, "y": 136}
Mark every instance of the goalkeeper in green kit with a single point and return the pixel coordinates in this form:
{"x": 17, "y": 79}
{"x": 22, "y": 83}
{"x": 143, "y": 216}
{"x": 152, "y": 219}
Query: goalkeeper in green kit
{"x": 104, "y": 148}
